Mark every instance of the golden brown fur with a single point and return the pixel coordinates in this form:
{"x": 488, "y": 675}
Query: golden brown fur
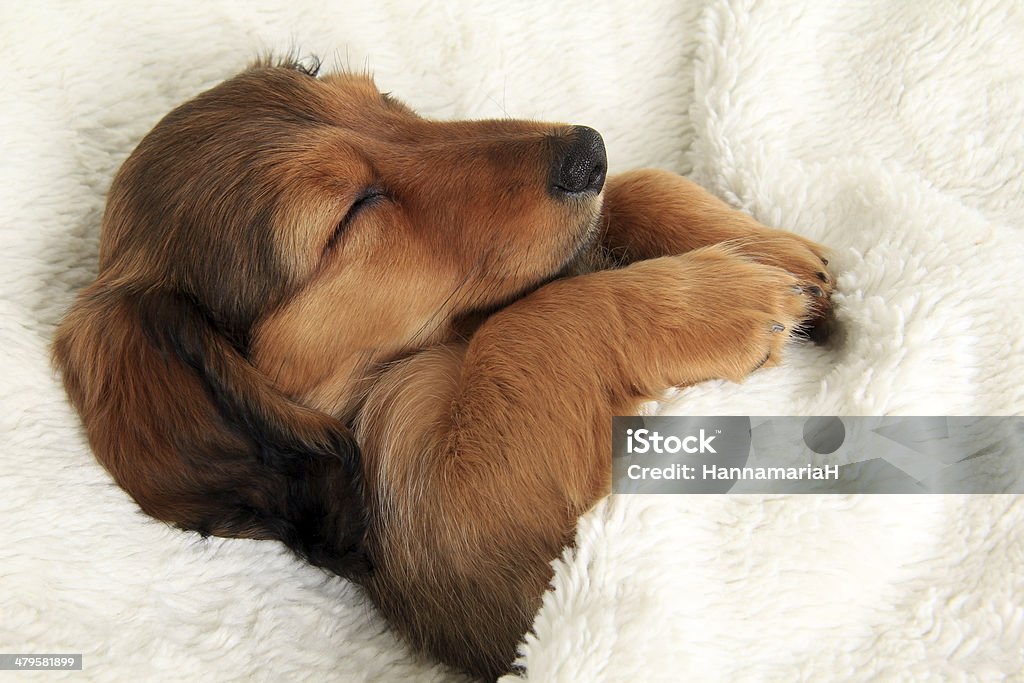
{"x": 249, "y": 326}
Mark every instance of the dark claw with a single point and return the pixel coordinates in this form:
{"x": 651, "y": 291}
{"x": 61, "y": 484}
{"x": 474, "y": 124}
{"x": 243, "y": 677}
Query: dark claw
{"x": 824, "y": 260}
{"x": 822, "y": 276}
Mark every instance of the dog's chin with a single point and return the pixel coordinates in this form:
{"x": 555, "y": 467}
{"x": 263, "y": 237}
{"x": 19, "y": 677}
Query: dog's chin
{"x": 585, "y": 255}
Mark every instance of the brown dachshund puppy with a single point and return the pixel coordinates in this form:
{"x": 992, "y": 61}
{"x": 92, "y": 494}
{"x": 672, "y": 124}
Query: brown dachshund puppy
{"x": 396, "y": 344}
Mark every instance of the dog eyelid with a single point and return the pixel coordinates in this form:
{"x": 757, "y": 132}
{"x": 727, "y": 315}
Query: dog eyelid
{"x": 368, "y": 197}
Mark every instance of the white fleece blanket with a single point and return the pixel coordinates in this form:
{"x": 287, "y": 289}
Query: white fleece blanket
{"x": 893, "y": 132}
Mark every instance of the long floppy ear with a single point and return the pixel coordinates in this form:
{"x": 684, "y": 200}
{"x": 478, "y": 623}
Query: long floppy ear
{"x": 199, "y": 437}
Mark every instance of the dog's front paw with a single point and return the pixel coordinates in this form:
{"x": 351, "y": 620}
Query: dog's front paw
{"x": 727, "y": 313}
{"x": 766, "y": 305}
{"x": 808, "y": 262}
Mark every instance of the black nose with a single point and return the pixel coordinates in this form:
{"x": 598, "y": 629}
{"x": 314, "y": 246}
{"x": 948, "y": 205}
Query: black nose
{"x": 582, "y": 165}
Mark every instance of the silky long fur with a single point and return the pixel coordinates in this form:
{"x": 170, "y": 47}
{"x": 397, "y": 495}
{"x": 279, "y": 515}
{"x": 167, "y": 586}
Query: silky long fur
{"x": 287, "y": 258}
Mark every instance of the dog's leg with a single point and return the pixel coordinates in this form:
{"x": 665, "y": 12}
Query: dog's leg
{"x": 650, "y": 213}
{"x": 479, "y": 458}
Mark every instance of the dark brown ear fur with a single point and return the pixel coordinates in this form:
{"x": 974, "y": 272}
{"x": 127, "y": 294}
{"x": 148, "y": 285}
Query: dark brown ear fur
{"x": 154, "y": 353}
{"x": 198, "y": 436}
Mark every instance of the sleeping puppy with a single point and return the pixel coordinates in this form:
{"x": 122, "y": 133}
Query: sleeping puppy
{"x": 396, "y": 344}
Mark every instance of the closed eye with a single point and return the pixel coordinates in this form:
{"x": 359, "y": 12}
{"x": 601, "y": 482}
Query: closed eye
{"x": 368, "y": 197}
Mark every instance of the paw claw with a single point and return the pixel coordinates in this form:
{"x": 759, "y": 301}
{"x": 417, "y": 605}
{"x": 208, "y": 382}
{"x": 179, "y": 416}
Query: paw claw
{"x": 822, "y": 276}
{"x": 814, "y": 290}
{"x": 777, "y": 327}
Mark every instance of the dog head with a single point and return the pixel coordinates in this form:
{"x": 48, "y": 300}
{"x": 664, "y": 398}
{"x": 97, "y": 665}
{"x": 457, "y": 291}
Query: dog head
{"x": 267, "y": 245}
{"x": 391, "y": 227}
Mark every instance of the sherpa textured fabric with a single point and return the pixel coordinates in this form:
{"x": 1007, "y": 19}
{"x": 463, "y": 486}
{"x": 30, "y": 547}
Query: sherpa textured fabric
{"x": 893, "y": 132}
